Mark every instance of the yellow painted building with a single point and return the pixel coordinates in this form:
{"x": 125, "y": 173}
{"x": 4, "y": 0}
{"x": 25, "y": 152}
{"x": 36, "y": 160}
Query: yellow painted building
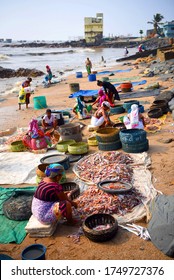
{"x": 93, "y": 28}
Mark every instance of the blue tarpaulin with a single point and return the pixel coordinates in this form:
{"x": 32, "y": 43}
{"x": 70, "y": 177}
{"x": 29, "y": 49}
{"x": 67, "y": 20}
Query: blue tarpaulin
{"x": 95, "y": 91}
{"x": 114, "y": 71}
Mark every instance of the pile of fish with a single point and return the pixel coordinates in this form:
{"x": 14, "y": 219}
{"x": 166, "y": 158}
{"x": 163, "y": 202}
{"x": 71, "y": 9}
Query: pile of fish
{"x": 105, "y": 166}
{"x": 95, "y": 201}
{"x": 152, "y": 121}
{"x": 102, "y": 227}
{"x": 16, "y": 137}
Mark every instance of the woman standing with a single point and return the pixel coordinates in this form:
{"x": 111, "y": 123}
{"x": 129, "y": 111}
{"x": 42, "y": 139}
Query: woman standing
{"x": 88, "y": 65}
{"x": 50, "y": 203}
{"x": 49, "y": 74}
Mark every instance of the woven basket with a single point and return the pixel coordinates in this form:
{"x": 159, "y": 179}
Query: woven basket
{"x": 96, "y": 220}
{"x": 92, "y": 141}
{"x": 78, "y": 148}
{"x": 40, "y": 171}
{"x": 73, "y": 188}
{"x": 62, "y": 146}
{"x": 17, "y": 146}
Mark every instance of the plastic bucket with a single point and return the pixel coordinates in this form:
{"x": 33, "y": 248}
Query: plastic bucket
{"x": 92, "y": 78}
{"x": 39, "y": 102}
{"x": 79, "y": 75}
{"x": 74, "y": 87}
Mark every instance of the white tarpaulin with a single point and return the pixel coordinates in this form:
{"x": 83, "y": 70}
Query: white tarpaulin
{"x": 20, "y": 167}
{"x": 142, "y": 181}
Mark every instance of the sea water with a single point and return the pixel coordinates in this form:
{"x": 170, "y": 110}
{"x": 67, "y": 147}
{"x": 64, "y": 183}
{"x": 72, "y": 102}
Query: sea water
{"x": 66, "y": 60}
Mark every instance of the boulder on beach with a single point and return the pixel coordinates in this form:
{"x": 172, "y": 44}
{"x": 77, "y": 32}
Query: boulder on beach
{"x": 21, "y": 72}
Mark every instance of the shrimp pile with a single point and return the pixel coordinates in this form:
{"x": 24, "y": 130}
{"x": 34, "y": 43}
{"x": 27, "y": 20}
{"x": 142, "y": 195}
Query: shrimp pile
{"x": 106, "y": 166}
{"x": 95, "y": 201}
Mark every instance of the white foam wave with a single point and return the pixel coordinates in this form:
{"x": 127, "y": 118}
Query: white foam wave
{"x": 3, "y": 57}
{"x": 85, "y": 50}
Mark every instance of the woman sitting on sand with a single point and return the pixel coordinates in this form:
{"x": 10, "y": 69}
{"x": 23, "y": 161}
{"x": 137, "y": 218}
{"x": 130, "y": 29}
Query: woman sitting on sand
{"x": 101, "y": 116}
{"x": 101, "y": 97}
{"x": 50, "y": 203}
{"x": 49, "y": 121}
{"x": 134, "y": 119}
{"x": 80, "y": 109}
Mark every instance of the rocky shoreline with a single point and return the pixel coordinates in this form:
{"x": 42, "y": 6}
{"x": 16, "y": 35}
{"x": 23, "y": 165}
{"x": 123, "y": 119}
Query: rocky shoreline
{"x": 21, "y": 72}
{"x": 150, "y": 44}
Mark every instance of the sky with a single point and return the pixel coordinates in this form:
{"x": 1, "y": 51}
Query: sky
{"x": 64, "y": 19}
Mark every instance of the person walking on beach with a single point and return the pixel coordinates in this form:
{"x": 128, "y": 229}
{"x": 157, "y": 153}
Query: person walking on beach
{"x": 110, "y": 91}
{"x": 49, "y": 74}
{"x": 88, "y": 65}
{"x": 25, "y": 92}
{"x": 126, "y": 51}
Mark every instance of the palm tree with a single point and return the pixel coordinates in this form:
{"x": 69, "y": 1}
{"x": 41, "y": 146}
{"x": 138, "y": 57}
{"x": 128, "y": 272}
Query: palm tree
{"x": 156, "y": 22}
{"x": 141, "y": 33}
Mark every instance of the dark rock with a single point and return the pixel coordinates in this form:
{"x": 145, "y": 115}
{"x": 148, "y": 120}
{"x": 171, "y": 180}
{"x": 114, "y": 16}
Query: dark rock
{"x": 28, "y": 72}
{"x": 21, "y": 72}
{"x": 6, "y": 73}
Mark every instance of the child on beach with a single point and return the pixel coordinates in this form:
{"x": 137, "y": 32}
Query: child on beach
{"x": 24, "y": 94}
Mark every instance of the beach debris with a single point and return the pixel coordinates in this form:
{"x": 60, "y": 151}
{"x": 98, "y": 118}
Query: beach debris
{"x": 152, "y": 121}
{"x": 105, "y": 166}
{"x": 140, "y": 231}
{"x": 95, "y": 201}
{"x": 76, "y": 236}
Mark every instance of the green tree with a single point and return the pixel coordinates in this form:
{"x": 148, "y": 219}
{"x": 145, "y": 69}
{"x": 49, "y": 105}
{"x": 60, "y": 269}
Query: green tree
{"x": 156, "y": 21}
{"x": 141, "y": 33}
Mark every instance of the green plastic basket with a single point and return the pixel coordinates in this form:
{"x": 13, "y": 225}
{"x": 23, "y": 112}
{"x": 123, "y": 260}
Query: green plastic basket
{"x": 17, "y": 146}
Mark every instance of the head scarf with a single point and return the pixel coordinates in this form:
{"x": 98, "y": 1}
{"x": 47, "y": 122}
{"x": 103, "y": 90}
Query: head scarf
{"x": 102, "y": 96}
{"x": 106, "y": 103}
{"x": 101, "y": 92}
{"x": 134, "y": 116}
{"x": 54, "y": 170}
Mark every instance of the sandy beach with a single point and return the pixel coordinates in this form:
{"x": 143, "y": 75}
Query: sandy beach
{"x": 124, "y": 246}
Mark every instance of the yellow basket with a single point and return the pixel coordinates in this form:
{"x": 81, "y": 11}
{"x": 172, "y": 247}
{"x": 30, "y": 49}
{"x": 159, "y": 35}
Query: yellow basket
{"x": 92, "y": 141}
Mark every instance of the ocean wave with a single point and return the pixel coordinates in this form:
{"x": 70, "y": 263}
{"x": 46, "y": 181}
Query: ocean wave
{"x": 39, "y": 53}
{"x": 4, "y": 57}
{"x": 85, "y": 50}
